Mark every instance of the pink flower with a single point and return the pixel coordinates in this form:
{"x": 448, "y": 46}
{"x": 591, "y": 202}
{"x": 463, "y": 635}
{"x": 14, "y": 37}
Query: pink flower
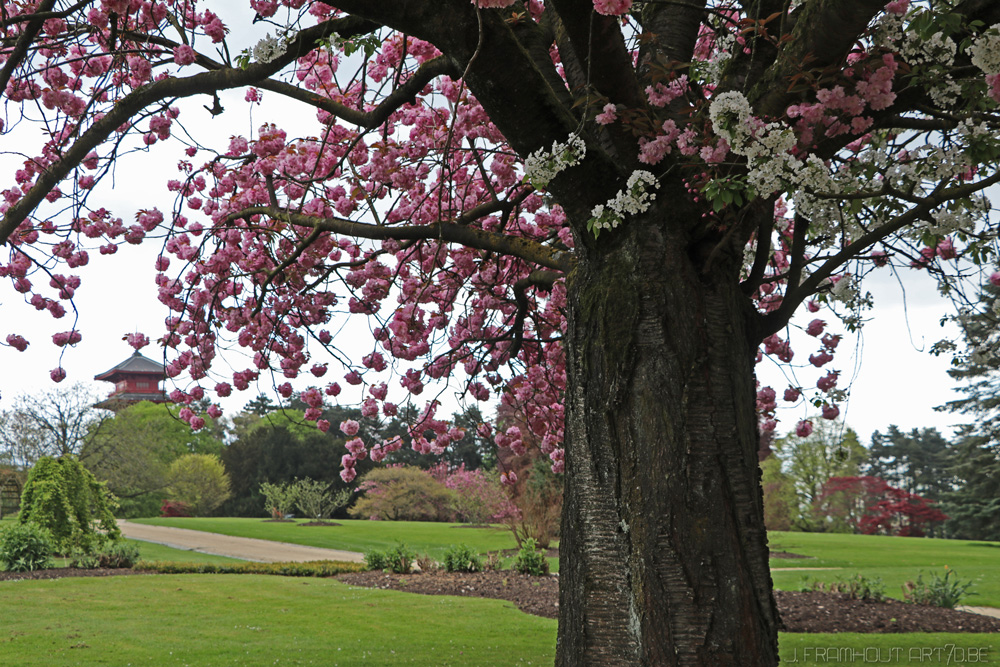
{"x": 17, "y": 342}
{"x": 831, "y": 412}
{"x": 792, "y": 394}
{"x": 612, "y": 7}
{"x": 898, "y": 7}
{"x": 349, "y": 427}
{"x": 828, "y": 382}
{"x": 57, "y": 374}
{"x": 492, "y": 4}
{"x": 804, "y": 428}
{"x": 197, "y": 423}
{"x": 815, "y": 327}
{"x": 995, "y": 278}
{"x": 323, "y": 425}
{"x": 214, "y": 411}
{"x": 65, "y": 338}
{"x": 609, "y": 115}
{"x": 348, "y": 475}
{"x": 820, "y": 358}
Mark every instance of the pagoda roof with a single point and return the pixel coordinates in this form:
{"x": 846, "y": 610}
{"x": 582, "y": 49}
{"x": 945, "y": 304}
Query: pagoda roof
{"x": 134, "y": 364}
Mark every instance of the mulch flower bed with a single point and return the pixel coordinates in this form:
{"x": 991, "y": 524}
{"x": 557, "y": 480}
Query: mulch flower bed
{"x": 811, "y": 611}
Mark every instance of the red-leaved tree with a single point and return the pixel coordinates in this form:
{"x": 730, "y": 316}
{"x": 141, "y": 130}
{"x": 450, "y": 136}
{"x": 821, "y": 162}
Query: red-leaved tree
{"x": 601, "y": 211}
{"x": 869, "y": 505}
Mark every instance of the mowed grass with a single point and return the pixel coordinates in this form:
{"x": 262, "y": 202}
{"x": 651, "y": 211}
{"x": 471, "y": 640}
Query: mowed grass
{"x": 150, "y": 551}
{"x": 424, "y": 537}
{"x": 209, "y": 620}
{"x": 895, "y": 559}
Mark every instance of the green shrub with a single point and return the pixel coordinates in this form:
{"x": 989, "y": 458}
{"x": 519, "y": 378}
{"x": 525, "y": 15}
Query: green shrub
{"x": 82, "y": 560}
{"x": 529, "y": 560}
{"x": 402, "y": 494}
{"x": 323, "y": 568}
{"x": 375, "y": 560}
{"x": 939, "y": 591}
{"x": 118, "y": 555}
{"x": 65, "y": 498}
{"x": 25, "y": 547}
{"x": 399, "y": 559}
{"x": 462, "y": 558}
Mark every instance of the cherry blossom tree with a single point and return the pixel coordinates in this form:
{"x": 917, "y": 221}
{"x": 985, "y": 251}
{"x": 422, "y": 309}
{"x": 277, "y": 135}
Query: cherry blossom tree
{"x": 601, "y": 211}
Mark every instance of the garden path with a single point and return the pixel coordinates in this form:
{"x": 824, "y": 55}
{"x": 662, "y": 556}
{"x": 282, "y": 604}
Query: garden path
{"x": 245, "y": 548}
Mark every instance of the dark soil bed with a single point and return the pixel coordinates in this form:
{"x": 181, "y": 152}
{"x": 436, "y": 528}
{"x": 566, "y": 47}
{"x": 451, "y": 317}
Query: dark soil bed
{"x": 811, "y": 611}
{"x": 321, "y": 523}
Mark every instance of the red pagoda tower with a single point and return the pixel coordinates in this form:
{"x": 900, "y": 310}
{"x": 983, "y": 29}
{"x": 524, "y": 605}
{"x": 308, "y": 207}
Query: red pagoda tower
{"x": 136, "y": 379}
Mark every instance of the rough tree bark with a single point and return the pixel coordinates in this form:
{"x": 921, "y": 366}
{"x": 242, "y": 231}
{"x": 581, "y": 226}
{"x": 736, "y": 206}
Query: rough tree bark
{"x": 664, "y": 556}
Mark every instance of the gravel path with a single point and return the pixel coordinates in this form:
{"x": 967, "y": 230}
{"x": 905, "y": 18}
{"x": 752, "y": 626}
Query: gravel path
{"x": 244, "y": 548}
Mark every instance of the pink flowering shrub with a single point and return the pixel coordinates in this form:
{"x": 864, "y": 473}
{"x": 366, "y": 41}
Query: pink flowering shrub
{"x": 478, "y": 496}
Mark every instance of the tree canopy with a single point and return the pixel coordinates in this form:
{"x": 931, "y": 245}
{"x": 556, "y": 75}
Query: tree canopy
{"x": 599, "y": 211}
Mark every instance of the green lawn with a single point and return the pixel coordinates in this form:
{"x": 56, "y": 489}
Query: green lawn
{"x": 424, "y": 537}
{"x": 894, "y": 559}
{"x": 150, "y": 551}
{"x": 209, "y": 620}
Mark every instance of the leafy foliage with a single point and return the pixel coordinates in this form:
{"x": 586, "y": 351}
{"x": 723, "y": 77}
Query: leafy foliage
{"x": 401, "y": 493}
{"x": 133, "y": 450}
{"x": 462, "y": 558}
{"x": 63, "y": 497}
{"x": 317, "y": 500}
{"x": 200, "y": 481}
{"x": 530, "y": 560}
{"x": 938, "y": 591}
{"x": 25, "y": 547}
{"x": 870, "y": 506}
{"x": 118, "y": 555}
{"x": 398, "y": 559}
{"x": 279, "y": 499}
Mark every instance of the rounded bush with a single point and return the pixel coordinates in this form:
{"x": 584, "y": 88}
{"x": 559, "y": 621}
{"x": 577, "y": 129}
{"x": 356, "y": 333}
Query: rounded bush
{"x": 462, "y": 558}
{"x": 529, "y": 560}
{"x": 25, "y": 547}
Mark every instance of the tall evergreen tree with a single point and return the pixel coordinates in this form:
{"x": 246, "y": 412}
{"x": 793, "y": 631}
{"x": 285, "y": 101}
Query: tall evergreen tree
{"x": 974, "y": 505}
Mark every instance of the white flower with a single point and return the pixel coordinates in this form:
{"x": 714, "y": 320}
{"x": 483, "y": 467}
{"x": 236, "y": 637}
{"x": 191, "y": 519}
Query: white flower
{"x": 542, "y": 166}
{"x": 268, "y": 49}
{"x": 634, "y": 199}
{"x": 985, "y": 51}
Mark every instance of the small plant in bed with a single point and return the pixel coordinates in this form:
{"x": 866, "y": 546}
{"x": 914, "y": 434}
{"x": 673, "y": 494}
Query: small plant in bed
{"x": 938, "y": 591}
{"x": 462, "y": 558}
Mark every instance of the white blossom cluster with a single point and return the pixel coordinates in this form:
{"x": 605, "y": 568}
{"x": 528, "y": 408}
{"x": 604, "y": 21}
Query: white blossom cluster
{"x": 268, "y": 49}
{"x": 634, "y": 199}
{"x": 937, "y": 49}
{"x": 543, "y": 165}
{"x": 985, "y": 50}
{"x": 767, "y": 149}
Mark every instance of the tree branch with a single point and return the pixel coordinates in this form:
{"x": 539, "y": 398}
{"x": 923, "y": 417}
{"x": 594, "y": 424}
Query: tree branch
{"x": 156, "y": 91}
{"x": 526, "y": 249}
{"x": 773, "y": 322}
{"x": 426, "y": 73}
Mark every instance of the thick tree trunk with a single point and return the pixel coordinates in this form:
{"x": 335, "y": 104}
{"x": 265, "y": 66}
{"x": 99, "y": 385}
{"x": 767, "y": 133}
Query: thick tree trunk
{"x": 664, "y": 555}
